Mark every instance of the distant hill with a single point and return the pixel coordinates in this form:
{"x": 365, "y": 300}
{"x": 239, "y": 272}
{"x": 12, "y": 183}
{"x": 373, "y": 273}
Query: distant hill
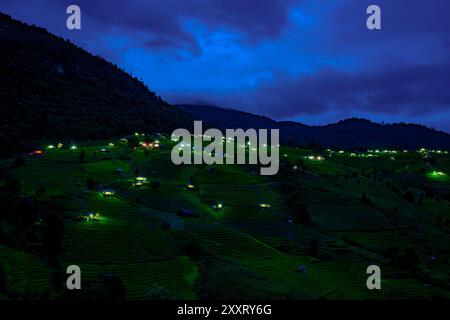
{"x": 349, "y": 133}
{"x": 50, "y": 88}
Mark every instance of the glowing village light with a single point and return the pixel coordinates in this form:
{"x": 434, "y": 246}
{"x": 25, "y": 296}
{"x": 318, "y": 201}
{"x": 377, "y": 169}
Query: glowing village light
{"x": 438, "y": 175}
{"x": 50, "y": 146}
{"x": 73, "y": 147}
{"x": 315, "y": 158}
{"x": 218, "y": 206}
{"x": 264, "y": 205}
{"x": 37, "y": 152}
{"x": 108, "y": 193}
{"x": 92, "y": 216}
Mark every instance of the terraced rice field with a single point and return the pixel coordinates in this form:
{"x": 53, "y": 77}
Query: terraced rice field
{"x": 141, "y": 238}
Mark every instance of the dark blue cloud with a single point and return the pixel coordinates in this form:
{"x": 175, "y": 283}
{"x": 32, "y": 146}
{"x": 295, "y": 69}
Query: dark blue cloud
{"x": 413, "y": 90}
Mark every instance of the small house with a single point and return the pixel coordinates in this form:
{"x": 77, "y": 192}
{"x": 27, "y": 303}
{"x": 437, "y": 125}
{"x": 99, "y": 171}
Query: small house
{"x": 108, "y": 193}
{"x": 190, "y": 186}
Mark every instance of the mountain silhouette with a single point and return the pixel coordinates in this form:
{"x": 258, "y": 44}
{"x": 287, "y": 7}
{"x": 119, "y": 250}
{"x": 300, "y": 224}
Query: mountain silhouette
{"x": 52, "y": 89}
{"x": 349, "y": 133}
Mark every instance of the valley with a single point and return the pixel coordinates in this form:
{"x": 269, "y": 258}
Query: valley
{"x": 161, "y": 231}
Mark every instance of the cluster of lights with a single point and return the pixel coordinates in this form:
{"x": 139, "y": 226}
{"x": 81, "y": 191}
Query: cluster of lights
{"x": 92, "y": 216}
{"x": 51, "y": 146}
{"x": 368, "y": 154}
{"x": 386, "y": 151}
{"x": 315, "y": 158}
{"x": 60, "y": 146}
{"x": 264, "y": 205}
{"x": 426, "y": 151}
{"x": 140, "y": 181}
{"x": 377, "y": 152}
{"x": 149, "y": 145}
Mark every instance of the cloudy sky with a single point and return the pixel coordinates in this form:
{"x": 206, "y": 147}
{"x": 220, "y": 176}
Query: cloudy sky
{"x": 305, "y": 60}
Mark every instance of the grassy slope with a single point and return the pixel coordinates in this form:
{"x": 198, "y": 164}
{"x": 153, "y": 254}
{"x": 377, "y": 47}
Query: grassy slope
{"x": 130, "y": 240}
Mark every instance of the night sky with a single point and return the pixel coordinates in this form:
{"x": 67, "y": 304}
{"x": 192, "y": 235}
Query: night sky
{"x": 305, "y": 60}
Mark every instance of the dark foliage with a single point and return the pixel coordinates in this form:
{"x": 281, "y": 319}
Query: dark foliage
{"x": 49, "y": 88}
{"x": 2, "y": 278}
{"x": 366, "y": 200}
{"x": 53, "y": 236}
{"x": 28, "y": 224}
{"x": 90, "y": 184}
{"x": 82, "y": 155}
{"x": 133, "y": 142}
{"x": 155, "y": 184}
{"x": 291, "y": 184}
